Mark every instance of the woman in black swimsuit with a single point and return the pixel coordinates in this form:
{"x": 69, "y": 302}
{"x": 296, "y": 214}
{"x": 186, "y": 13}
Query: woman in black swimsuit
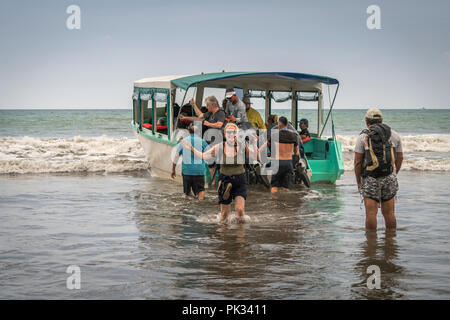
{"x": 232, "y": 179}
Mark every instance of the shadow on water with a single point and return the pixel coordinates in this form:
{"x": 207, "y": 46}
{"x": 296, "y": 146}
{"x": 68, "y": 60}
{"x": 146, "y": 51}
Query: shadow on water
{"x": 384, "y": 254}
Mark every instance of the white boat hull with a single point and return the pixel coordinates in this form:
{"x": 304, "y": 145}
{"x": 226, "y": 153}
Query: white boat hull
{"x": 159, "y": 157}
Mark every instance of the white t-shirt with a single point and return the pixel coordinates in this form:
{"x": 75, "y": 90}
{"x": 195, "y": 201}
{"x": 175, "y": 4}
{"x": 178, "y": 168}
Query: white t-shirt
{"x": 237, "y": 110}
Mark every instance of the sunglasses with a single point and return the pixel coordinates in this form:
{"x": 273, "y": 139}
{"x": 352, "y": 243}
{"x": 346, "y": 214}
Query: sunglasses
{"x": 230, "y": 132}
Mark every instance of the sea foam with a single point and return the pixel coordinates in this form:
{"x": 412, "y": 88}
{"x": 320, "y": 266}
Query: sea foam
{"x": 57, "y": 155}
{"x": 104, "y": 154}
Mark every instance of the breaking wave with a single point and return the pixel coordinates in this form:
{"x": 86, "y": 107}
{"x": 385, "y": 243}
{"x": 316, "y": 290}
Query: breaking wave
{"x": 417, "y": 143}
{"x": 430, "y": 152}
{"x": 55, "y": 155}
{"x": 103, "y": 154}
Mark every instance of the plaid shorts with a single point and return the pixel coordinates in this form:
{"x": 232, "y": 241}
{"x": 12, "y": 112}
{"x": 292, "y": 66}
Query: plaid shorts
{"x": 384, "y": 188}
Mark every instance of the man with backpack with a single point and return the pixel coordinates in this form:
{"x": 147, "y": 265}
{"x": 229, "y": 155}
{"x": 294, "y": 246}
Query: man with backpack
{"x": 378, "y": 159}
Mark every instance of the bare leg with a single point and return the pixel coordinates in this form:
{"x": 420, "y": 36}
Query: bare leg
{"x": 371, "y": 213}
{"x": 211, "y": 172}
{"x": 201, "y": 195}
{"x": 225, "y": 211}
{"x": 387, "y": 209}
{"x": 239, "y": 206}
{"x": 274, "y": 190}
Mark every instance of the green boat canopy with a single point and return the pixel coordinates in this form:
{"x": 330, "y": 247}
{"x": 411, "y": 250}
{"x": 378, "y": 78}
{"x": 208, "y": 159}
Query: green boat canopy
{"x": 275, "y": 81}
{"x": 282, "y": 81}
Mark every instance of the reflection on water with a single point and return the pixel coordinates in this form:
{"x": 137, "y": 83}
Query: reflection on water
{"x": 382, "y": 253}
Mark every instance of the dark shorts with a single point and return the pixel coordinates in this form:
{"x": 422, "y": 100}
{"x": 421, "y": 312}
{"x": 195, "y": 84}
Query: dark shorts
{"x": 282, "y": 179}
{"x": 196, "y": 183}
{"x": 239, "y": 187}
{"x": 384, "y": 188}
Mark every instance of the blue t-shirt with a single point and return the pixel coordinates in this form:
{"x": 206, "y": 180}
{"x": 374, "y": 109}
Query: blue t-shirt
{"x": 191, "y": 165}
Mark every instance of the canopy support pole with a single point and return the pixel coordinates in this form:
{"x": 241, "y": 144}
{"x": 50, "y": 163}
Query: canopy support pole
{"x": 331, "y": 108}
{"x": 199, "y": 96}
{"x": 268, "y": 105}
{"x": 154, "y": 115}
{"x": 319, "y": 113}
{"x": 294, "y": 109}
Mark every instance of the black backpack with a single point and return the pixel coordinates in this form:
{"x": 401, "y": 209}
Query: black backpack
{"x": 379, "y": 155}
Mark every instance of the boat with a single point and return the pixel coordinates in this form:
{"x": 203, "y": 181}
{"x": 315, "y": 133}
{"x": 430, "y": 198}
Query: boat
{"x": 155, "y": 118}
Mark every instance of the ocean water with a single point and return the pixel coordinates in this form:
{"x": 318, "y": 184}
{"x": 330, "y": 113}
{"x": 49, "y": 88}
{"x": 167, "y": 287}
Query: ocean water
{"x": 75, "y": 190}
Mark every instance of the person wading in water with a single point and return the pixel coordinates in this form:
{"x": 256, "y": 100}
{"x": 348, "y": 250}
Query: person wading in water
{"x": 378, "y": 159}
{"x": 284, "y": 144}
{"x": 232, "y": 179}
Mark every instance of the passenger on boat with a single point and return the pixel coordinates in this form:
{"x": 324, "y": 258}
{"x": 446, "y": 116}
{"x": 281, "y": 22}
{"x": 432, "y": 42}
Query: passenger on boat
{"x": 176, "y": 110}
{"x": 224, "y": 104}
{"x": 283, "y": 143}
{"x": 193, "y": 168}
{"x": 232, "y": 179}
{"x": 235, "y": 108}
{"x": 186, "y": 111}
{"x": 272, "y": 121}
{"x": 304, "y": 134}
{"x": 213, "y": 119}
{"x": 253, "y": 116}
{"x": 161, "y": 126}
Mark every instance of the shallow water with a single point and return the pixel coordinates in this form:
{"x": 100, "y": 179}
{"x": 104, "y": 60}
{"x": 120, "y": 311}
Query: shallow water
{"x": 135, "y": 237}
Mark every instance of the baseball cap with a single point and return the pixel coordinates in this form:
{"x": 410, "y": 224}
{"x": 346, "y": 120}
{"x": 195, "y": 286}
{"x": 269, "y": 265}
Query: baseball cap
{"x": 229, "y": 94}
{"x": 374, "y": 113}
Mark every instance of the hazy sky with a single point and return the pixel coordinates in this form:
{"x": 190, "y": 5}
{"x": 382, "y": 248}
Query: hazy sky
{"x": 406, "y": 64}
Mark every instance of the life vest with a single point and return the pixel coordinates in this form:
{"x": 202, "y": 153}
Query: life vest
{"x": 306, "y": 139}
{"x": 158, "y": 127}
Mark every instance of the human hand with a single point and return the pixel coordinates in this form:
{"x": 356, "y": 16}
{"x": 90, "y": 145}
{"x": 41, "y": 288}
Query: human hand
{"x": 182, "y": 117}
{"x": 192, "y": 101}
{"x": 232, "y": 118}
{"x": 186, "y": 144}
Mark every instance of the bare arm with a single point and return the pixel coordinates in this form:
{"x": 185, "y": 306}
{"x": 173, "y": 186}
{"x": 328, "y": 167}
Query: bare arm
{"x": 202, "y": 155}
{"x": 264, "y": 146}
{"x": 252, "y": 150}
{"x": 198, "y": 112}
{"x": 216, "y": 125}
{"x": 174, "y": 165}
{"x": 200, "y": 118}
{"x": 358, "y": 167}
